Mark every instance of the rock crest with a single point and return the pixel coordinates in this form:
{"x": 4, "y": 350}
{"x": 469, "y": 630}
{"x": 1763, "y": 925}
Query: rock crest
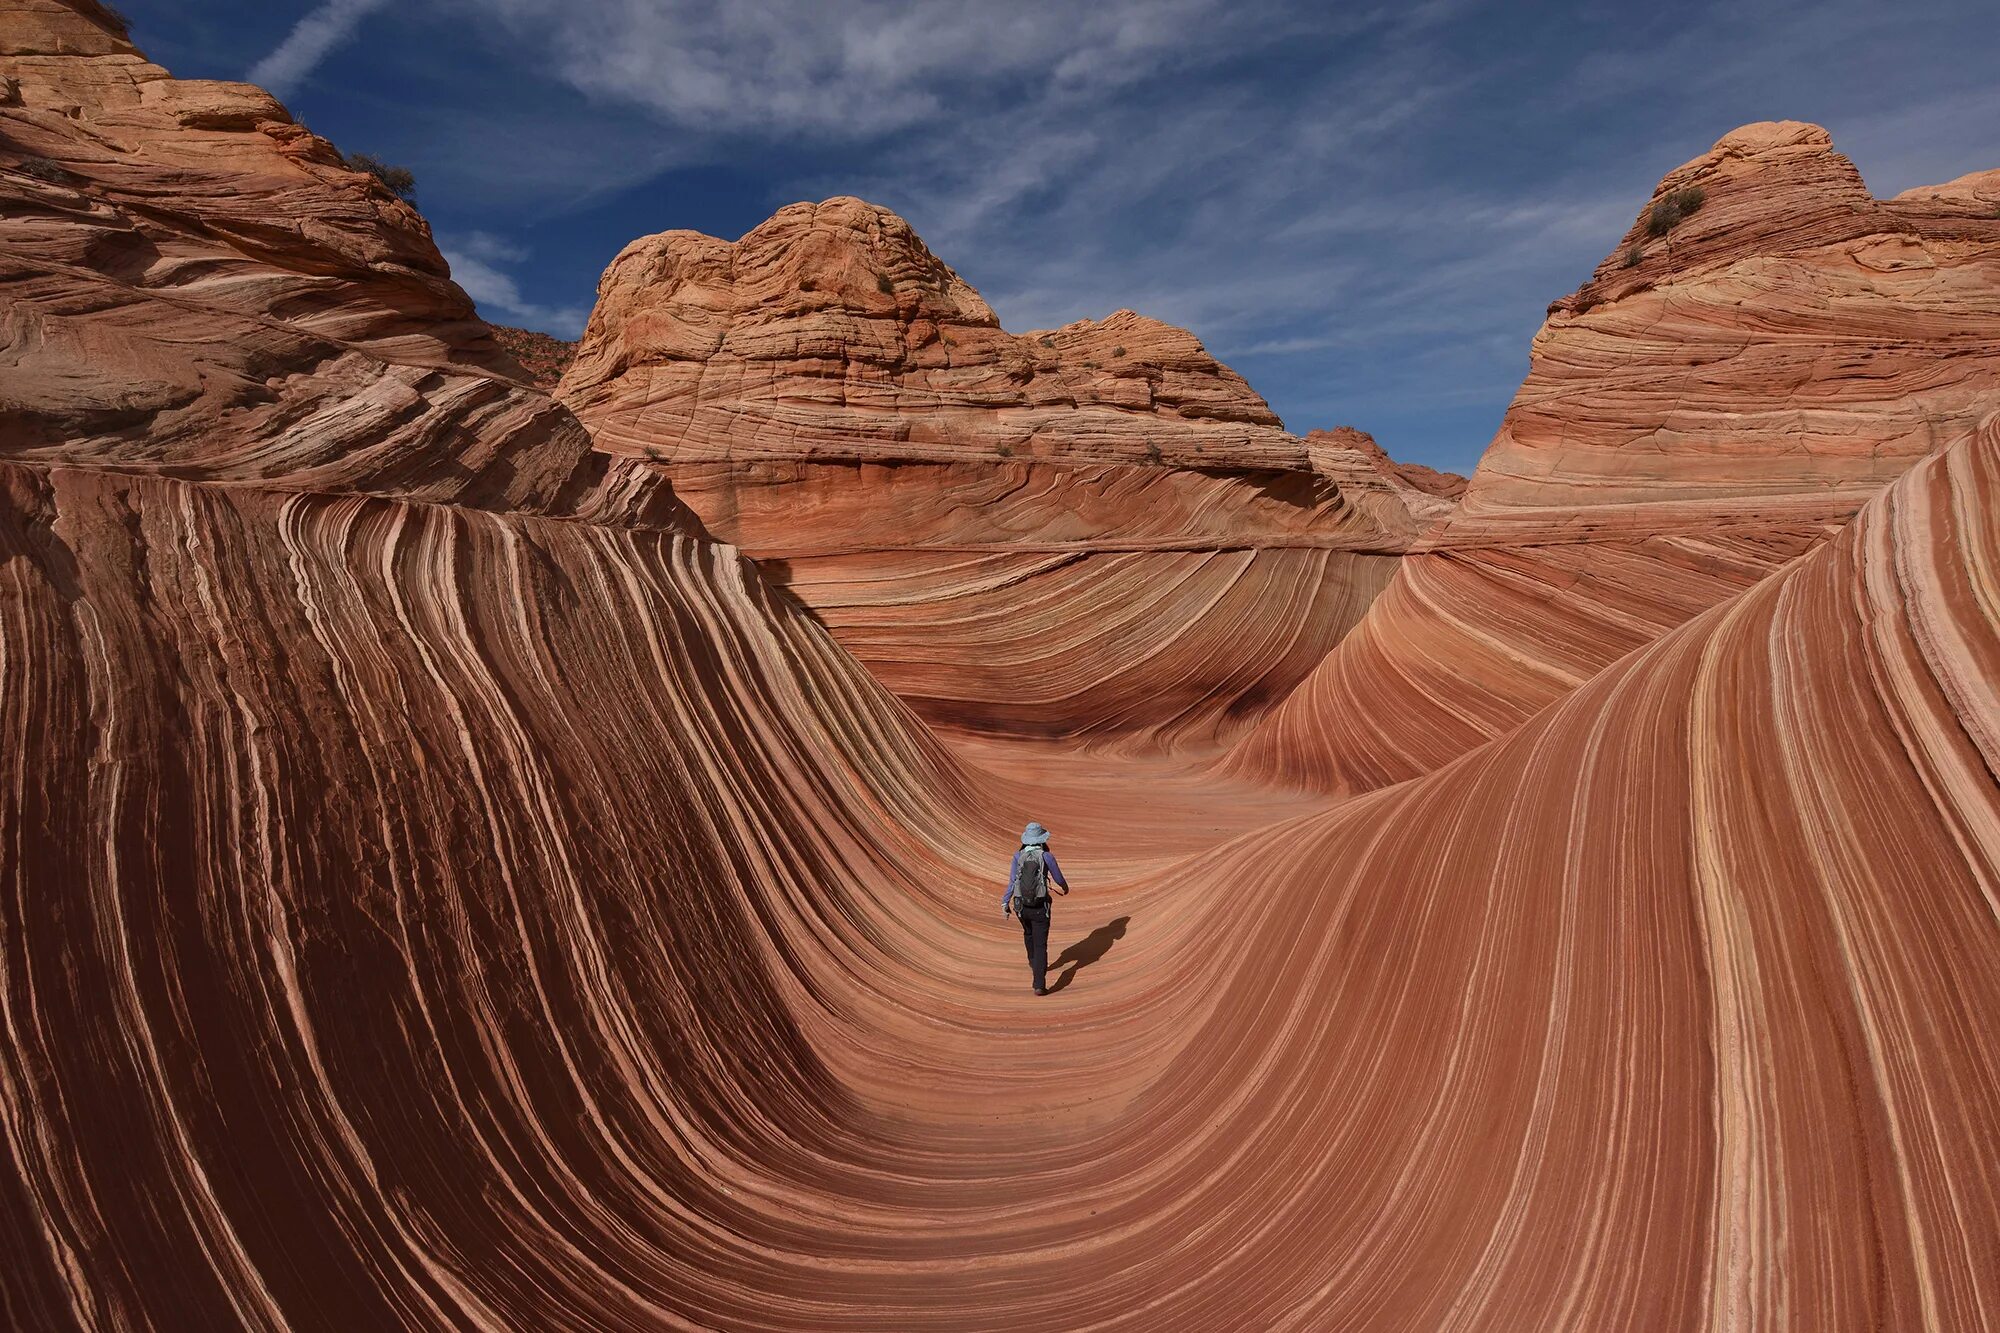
{"x": 830, "y": 332}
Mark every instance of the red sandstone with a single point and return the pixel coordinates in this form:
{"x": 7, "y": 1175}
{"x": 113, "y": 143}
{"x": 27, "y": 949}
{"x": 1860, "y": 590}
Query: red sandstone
{"x": 441, "y": 886}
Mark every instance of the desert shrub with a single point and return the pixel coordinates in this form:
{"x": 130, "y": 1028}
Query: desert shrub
{"x": 1662, "y": 216}
{"x": 1004, "y": 450}
{"x": 1152, "y": 452}
{"x": 1048, "y": 342}
{"x": 42, "y": 169}
{"x": 883, "y": 285}
{"x": 397, "y": 180}
{"x": 1117, "y": 351}
{"x": 1632, "y": 256}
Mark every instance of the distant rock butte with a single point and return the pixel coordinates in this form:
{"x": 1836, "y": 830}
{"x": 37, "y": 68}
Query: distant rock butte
{"x": 831, "y": 332}
{"x": 830, "y": 396}
{"x": 1332, "y": 445}
{"x": 1777, "y": 355}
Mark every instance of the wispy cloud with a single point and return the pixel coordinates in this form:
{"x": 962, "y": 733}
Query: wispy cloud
{"x": 476, "y": 260}
{"x": 310, "y": 41}
{"x": 1371, "y": 204}
{"x": 861, "y": 68}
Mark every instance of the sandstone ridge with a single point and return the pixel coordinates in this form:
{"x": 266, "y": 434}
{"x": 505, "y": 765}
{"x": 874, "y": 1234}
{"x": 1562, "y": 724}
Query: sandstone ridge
{"x": 1716, "y": 400}
{"x": 831, "y": 332}
{"x": 830, "y": 396}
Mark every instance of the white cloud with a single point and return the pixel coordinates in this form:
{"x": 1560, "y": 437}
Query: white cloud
{"x": 310, "y": 41}
{"x": 863, "y": 67}
{"x": 1318, "y": 342}
{"x": 1373, "y": 201}
{"x": 475, "y": 258}
{"x": 485, "y": 247}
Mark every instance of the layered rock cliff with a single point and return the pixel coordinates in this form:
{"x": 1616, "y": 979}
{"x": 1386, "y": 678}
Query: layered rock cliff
{"x": 1717, "y": 399}
{"x": 1079, "y": 532}
{"x": 831, "y": 332}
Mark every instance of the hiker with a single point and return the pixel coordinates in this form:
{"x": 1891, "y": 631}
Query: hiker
{"x": 1027, "y": 897}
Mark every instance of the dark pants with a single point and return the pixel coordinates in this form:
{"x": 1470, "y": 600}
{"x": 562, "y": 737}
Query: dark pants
{"x": 1035, "y": 934}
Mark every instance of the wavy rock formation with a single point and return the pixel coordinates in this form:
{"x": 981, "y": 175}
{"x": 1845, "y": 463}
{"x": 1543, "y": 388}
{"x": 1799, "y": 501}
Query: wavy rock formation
{"x": 1669, "y": 994}
{"x": 1714, "y": 401}
{"x": 831, "y": 331}
{"x": 440, "y": 887}
{"x": 951, "y": 498}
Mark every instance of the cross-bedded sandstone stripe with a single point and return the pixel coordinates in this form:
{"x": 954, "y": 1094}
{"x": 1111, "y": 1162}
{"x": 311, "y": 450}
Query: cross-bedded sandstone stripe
{"x": 1712, "y": 403}
{"x": 439, "y": 888}
{"x": 385, "y": 987}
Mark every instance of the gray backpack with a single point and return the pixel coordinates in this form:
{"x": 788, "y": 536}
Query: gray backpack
{"x": 1031, "y": 881}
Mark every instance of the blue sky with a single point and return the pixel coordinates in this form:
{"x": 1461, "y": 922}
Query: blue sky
{"x": 1363, "y": 208}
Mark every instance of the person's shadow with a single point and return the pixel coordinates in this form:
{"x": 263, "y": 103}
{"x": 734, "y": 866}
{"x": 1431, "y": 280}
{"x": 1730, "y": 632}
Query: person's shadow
{"x": 1088, "y": 950}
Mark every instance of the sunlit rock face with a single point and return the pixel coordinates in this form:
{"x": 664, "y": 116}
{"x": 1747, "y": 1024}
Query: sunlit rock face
{"x": 442, "y": 887}
{"x": 1715, "y": 400}
{"x": 1082, "y": 532}
{"x": 831, "y": 331}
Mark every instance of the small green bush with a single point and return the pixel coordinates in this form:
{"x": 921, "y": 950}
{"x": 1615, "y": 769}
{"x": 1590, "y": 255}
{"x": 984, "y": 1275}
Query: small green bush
{"x": 884, "y": 285}
{"x": 1662, "y": 217}
{"x": 1117, "y": 351}
{"x": 42, "y": 169}
{"x": 1004, "y": 450}
{"x": 1632, "y": 256}
{"x": 397, "y": 180}
{"x": 1048, "y": 342}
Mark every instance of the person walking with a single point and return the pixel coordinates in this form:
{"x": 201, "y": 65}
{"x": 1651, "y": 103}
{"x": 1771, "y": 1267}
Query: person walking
{"x": 1028, "y": 882}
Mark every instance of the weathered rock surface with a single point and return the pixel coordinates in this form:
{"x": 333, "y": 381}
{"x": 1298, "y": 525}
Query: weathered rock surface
{"x": 542, "y": 357}
{"x": 207, "y": 193}
{"x": 1346, "y": 441}
{"x": 831, "y": 332}
{"x": 441, "y": 888}
{"x": 1082, "y": 532}
{"x": 1782, "y": 352}
{"x": 1690, "y": 422}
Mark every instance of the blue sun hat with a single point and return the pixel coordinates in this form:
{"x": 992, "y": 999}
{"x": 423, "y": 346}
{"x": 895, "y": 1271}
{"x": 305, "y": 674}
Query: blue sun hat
{"x": 1034, "y": 835}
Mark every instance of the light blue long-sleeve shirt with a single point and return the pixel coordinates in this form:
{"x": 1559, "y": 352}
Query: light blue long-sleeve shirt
{"x": 1048, "y": 860}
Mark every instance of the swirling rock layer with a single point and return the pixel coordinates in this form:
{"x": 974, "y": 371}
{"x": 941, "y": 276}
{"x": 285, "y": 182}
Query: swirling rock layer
{"x": 1137, "y": 607}
{"x": 440, "y": 887}
{"x": 957, "y": 502}
{"x": 1717, "y": 399}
